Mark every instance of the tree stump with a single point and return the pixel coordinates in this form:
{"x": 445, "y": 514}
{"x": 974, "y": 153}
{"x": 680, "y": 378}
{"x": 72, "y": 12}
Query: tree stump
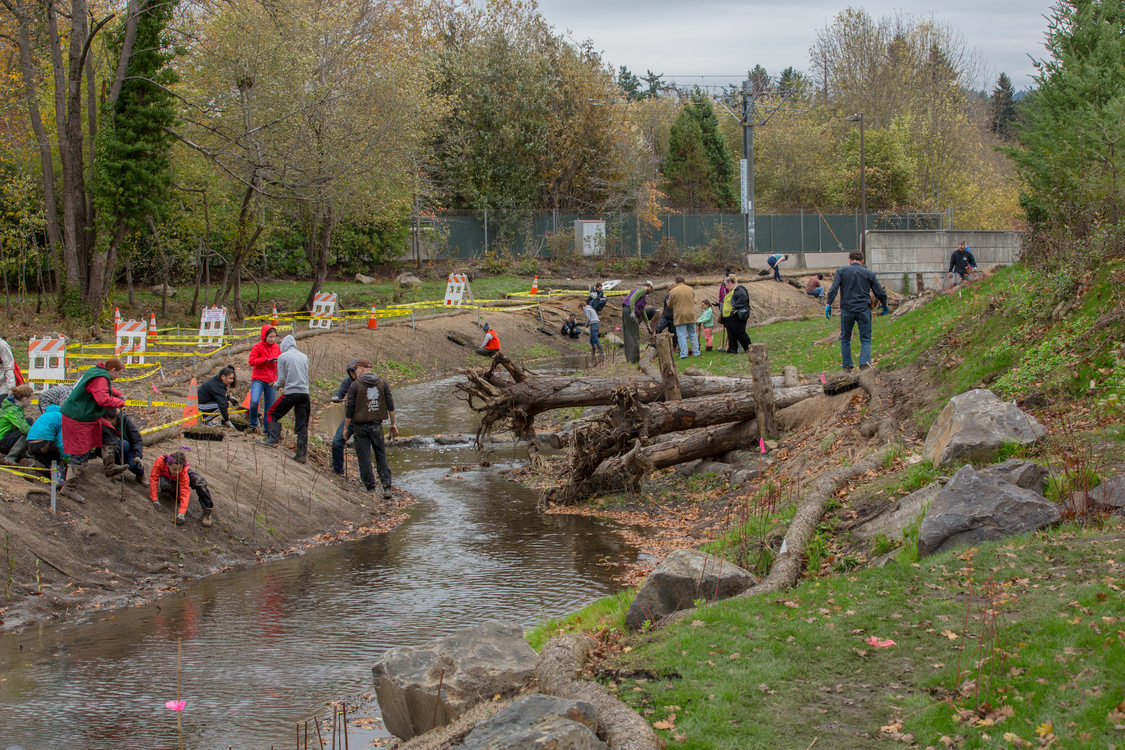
{"x": 668, "y": 367}
{"x": 762, "y": 388}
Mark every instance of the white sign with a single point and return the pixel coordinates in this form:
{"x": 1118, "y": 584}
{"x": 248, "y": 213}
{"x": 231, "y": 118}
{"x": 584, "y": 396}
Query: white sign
{"x": 46, "y": 360}
{"x": 324, "y": 307}
{"x": 132, "y": 338}
{"x": 212, "y": 325}
{"x": 456, "y": 287}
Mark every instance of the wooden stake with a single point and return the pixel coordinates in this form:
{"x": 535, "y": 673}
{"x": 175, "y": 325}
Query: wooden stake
{"x": 762, "y": 387}
{"x": 668, "y": 367}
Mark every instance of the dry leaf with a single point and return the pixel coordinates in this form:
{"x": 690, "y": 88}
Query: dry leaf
{"x": 950, "y": 634}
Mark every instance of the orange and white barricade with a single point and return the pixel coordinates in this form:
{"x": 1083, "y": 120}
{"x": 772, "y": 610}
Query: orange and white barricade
{"x": 46, "y": 361}
{"x": 324, "y": 308}
{"x": 132, "y": 339}
{"x": 456, "y": 289}
{"x": 212, "y": 326}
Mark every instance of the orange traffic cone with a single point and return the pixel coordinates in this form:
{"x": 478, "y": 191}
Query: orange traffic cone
{"x": 535, "y": 286}
{"x": 152, "y": 329}
{"x": 116, "y": 320}
{"x": 371, "y": 322}
{"x": 274, "y": 319}
{"x": 191, "y": 408}
{"x": 246, "y": 401}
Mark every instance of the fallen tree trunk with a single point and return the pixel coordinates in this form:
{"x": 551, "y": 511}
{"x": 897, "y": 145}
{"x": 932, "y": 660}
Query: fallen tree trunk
{"x": 558, "y": 672}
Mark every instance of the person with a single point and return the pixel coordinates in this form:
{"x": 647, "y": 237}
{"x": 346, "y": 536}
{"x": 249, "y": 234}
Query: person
{"x": 14, "y": 424}
{"x": 56, "y": 395}
{"x": 368, "y": 403}
{"x": 774, "y": 262}
{"x": 7, "y": 369}
{"x": 594, "y": 323}
{"x": 814, "y": 288}
{"x": 632, "y": 310}
{"x": 124, "y": 438}
{"x": 214, "y": 396}
{"x": 706, "y": 321}
{"x": 44, "y": 445}
{"x": 340, "y": 440}
{"x": 667, "y": 320}
{"x": 93, "y": 398}
{"x": 263, "y": 372}
{"x": 596, "y": 297}
{"x": 293, "y": 380}
{"x": 961, "y": 263}
{"x": 736, "y": 320}
{"x": 682, "y": 302}
{"x": 491, "y": 344}
{"x": 570, "y": 327}
{"x": 171, "y": 472}
{"x": 855, "y": 284}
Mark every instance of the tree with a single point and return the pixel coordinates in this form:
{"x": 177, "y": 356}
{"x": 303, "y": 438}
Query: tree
{"x": 654, "y": 83}
{"x": 759, "y": 79}
{"x": 630, "y": 84}
{"x": 793, "y": 80}
{"x": 888, "y": 170}
{"x": 73, "y": 232}
{"x": 699, "y": 168}
{"x": 1071, "y": 150}
{"x": 1002, "y": 107}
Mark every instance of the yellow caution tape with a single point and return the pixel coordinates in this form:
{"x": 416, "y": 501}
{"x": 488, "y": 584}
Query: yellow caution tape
{"x": 151, "y": 430}
{"x": 21, "y": 473}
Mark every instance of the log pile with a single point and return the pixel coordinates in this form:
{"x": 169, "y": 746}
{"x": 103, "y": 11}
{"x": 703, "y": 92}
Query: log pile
{"x": 650, "y": 422}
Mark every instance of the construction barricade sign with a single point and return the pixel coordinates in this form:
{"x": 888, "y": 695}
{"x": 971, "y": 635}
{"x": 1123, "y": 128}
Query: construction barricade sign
{"x": 324, "y": 308}
{"x": 212, "y": 326}
{"x": 46, "y": 361}
{"x": 132, "y": 338}
{"x": 456, "y": 289}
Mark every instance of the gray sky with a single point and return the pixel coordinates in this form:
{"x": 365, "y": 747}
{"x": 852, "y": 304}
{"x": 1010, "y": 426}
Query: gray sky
{"x": 727, "y": 37}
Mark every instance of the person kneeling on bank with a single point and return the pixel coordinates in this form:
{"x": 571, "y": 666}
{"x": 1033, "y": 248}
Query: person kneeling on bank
{"x": 214, "y": 395}
{"x": 368, "y": 403}
{"x": 171, "y": 473}
{"x": 123, "y": 437}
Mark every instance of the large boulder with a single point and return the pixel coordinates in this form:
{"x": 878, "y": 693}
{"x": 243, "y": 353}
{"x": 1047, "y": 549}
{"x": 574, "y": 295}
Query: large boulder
{"x": 1026, "y": 474}
{"x": 407, "y": 281}
{"x": 362, "y": 279}
{"x": 974, "y": 507}
{"x": 974, "y": 425}
{"x": 471, "y": 665}
{"x": 539, "y": 721}
{"x": 163, "y": 290}
{"x": 1110, "y": 495}
{"x": 685, "y": 576}
{"x": 893, "y": 522}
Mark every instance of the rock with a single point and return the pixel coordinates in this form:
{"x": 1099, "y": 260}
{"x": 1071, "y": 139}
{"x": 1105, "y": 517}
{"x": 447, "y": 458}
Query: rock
{"x": 612, "y": 339}
{"x": 1111, "y": 494}
{"x": 472, "y": 665}
{"x": 977, "y": 508}
{"x": 164, "y": 289}
{"x": 742, "y": 457}
{"x": 894, "y": 521}
{"x": 364, "y": 279}
{"x": 742, "y": 476}
{"x": 713, "y": 467}
{"x": 790, "y": 376}
{"x": 685, "y": 576}
{"x": 974, "y": 424}
{"x": 1026, "y": 474}
{"x": 451, "y": 440}
{"x": 687, "y": 468}
{"x": 539, "y": 721}
{"x": 407, "y": 281}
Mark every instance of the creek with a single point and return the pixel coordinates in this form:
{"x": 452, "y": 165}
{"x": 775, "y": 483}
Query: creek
{"x": 269, "y": 646}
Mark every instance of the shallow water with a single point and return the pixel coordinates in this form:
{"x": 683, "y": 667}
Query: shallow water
{"x": 269, "y": 646}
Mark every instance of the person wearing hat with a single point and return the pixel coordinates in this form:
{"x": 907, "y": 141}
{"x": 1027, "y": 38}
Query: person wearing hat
{"x": 368, "y": 403}
{"x": 813, "y": 287}
{"x": 632, "y": 311}
{"x": 491, "y": 343}
{"x": 92, "y": 399}
{"x": 340, "y": 441}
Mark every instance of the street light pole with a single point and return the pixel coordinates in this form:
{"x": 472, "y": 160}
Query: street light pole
{"x": 858, "y": 117}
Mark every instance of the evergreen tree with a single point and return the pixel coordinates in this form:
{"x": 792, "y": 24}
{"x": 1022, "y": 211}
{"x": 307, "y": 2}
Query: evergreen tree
{"x": 655, "y": 84}
{"x": 792, "y": 80}
{"x": 699, "y": 168}
{"x": 1002, "y": 107}
{"x": 759, "y": 78}
{"x": 1070, "y": 153}
{"x": 630, "y": 84}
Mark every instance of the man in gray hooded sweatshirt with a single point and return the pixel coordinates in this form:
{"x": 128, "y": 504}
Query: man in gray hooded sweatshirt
{"x": 293, "y": 380}
{"x": 368, "y": 403}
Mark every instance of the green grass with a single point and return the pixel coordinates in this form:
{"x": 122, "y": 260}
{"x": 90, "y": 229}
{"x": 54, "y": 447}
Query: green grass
{"x": 604, "y": 613}
{"x": 793, "y": 669}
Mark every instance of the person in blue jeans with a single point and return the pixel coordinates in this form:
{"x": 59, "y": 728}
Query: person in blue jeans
{"x": 340, "y": 440}
{"x": 855, "y": 285}
{"x": 774, "y": 262}
{"x": 263, "y": 371}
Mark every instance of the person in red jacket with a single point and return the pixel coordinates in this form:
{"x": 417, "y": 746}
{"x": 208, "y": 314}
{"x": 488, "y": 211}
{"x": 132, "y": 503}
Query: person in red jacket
{"x": 263, "y": 372}
{"x": 171, "y": 472}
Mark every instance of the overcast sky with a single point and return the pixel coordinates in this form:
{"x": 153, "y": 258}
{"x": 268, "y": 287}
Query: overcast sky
{"x": 726, "y": 38}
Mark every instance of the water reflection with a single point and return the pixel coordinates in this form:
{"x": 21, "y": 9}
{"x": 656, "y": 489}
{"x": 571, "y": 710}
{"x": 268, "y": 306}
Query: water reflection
{"x": 268, "y": 646}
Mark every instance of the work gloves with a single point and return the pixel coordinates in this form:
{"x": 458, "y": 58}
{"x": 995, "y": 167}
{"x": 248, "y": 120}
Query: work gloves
{"x": 886, "y": 310}
{"x": 827, "y": 312}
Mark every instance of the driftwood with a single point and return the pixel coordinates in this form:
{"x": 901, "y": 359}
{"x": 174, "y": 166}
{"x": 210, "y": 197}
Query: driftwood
{"x": 668, "y": 374}
{"x": 558, "y": 672}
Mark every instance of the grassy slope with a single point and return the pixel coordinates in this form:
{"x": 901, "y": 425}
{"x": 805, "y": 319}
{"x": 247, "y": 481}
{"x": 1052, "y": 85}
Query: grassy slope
{"x": 1048, "y": 640}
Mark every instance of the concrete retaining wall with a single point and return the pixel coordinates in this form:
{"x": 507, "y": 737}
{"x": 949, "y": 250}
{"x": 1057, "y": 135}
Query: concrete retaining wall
{"x": 925, "y": 254}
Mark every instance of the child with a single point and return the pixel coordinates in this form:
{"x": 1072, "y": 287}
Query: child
{"x": 570, "y": 327}
{"x": 44, "y": 445}
{"x": 214, "y": 396}
{"x": 14, "y": 425}
{"x": 171, "y": 472}
{"x": 707, "y": 322}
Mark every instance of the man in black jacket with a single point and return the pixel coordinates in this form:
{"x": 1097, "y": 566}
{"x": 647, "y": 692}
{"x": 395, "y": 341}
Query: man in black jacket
{"x": 961, "y": 263}
{"x": 339, "y": 440}
{"x": 368, "y": 403}
{"x": 854, "y": 283}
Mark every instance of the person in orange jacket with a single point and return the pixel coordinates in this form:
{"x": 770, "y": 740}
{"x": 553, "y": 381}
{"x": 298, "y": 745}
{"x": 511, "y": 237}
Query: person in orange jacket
{"x": 171, "y": 472}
